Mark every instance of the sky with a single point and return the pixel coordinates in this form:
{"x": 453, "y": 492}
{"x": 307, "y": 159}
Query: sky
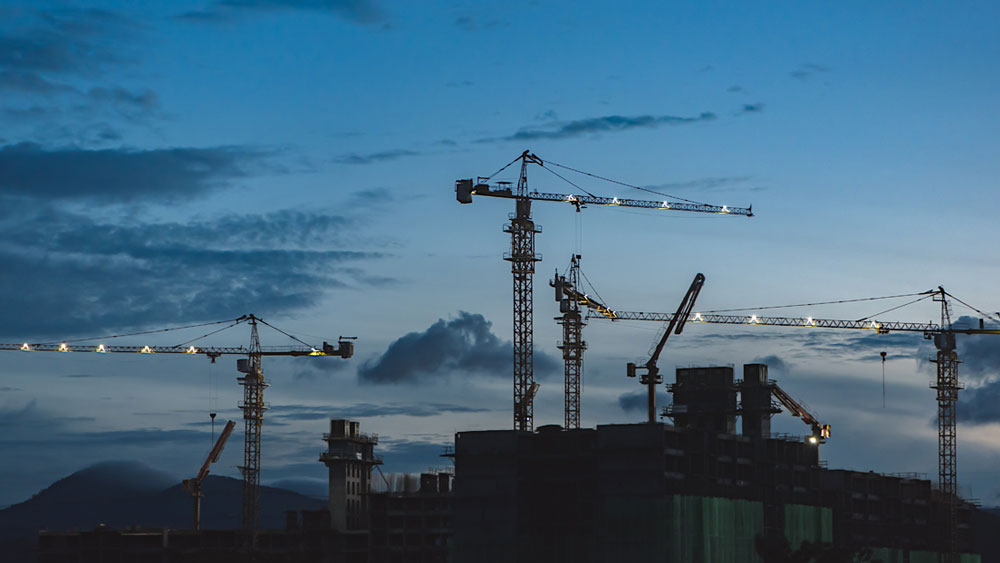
{"x": 173, "y": 163}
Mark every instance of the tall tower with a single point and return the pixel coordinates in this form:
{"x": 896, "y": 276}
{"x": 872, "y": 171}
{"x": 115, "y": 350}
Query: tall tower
{"x": 350, "y": 456}
{"x": 522, "y": 260}
{"x": 253, "y": 406}
{"x": 572, "y": 344}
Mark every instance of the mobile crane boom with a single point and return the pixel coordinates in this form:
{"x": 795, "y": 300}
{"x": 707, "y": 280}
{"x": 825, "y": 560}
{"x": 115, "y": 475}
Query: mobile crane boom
{"x": 194, "y": 485}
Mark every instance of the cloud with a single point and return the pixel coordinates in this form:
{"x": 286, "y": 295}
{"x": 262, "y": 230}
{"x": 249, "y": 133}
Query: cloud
{"x": 376, "y": 157}
{"x": 751, "y": 108}
{"x": 122, "y": 174}
{"x": 979, "y": 405}
{"x": 358, "y": 11}
{"x": 366, "y": 410}
{"x": 66, "y": 273}
{"x": 463, "y": 344}
{"x": 638, "y": 401}
{"x": 808, "y": 70}
{"x": 468, "y": 23}
{"x": 605, "y": 124}
{"x": 31, "y": 83}
{"x": 65, "y": 41}
{"x": 736, "y": 89}
{"x": 774, "y": 363}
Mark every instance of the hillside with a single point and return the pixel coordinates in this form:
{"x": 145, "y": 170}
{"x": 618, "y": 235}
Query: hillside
{"x": 121, "y": 494}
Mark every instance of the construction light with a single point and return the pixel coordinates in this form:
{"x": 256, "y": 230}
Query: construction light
{"x": 63, "y": 347}
{"x": 25, "y": 347}
{"x": 101, "y": 349}
{"x": 146, "y": 350}
{"x": 191, "y": 350}
{"x": 753, "y": 319}
{"x": 725, "y": 209}
{"x": 813, "y": 440}
{"x": 809, "y": 321}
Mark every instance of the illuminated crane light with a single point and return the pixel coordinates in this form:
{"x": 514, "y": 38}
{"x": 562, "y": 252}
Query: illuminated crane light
{"x": 191, "y": 350}
{"x": 697, "y": 317}
{"x": 315, "y": 352}
{"x": 101, "y": 349}
{"x": 614, "y": 201}
{"x": 146, "y": 350}
{"x": 874, "y": 325}
{"x": 725, "y": 209}
{"x": 571, "y": 198}
{"x": 63, "y": 347}
{"x": 665, "y": 205}
{"x": 25, "y": 347}
{"x": 810, "y": 321}
{"x": 753, "y": 319}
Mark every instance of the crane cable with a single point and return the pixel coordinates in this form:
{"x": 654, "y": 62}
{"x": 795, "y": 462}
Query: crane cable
{"x": 236, "y": 322}
{"x": 897, "y": 307}
{"x": 971, "y": 307}
{"x": 143, "y": 332}
{"x": 625, "y": 184}
{"x": 840, "y": 301}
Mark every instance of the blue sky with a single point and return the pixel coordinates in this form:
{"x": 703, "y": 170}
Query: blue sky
{"x": 194, "y": 161}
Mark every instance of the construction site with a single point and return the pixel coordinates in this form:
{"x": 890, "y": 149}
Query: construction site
{"x": 703, "y": 479}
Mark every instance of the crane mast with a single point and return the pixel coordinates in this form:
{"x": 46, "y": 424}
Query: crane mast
{"x": 568, "y": 295}
{"x": 253, "y": 407}
{"x": 522, "y": 258}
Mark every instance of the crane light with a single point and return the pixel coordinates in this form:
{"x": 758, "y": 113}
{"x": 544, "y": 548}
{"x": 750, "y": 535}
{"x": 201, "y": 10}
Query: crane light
{"x": 697, "y": 316}
{"x": 25, "y": 347}
{"x": 63, "y": 347}
{"x": 101, "y": 349}
{"x": 725, "y": 209}
{"x": 809, "y": 321}
{"x": 666, "y": 205}
{"x": 191, "y": 350}
{"x": 146, "y": 350}
{"x": 753, "y": 319}
{"x": 813, "y": 440}
{"x": 614, "y": 201}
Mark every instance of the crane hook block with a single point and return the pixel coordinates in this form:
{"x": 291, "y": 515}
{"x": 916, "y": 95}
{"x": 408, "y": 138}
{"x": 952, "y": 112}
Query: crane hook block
{"x": 630, "y": 369}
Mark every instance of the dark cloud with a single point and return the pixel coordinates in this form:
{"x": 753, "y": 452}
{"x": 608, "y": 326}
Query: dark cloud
{"x": 808, "y": 70}
{"x": 66, "y": 273}
{"x": 366, "y": 410}
{"x": 126, "y": 102}
{"x": 606, "y": 124}
{"x": 735, "y": 89}
{"x": 638, "y": 401}
{"x": 122, "y": 174}
{"x": 979, "y": 405}
{"x": 10, "y": 389}
{"x": 358, "y": 11}
{"x": 31, "y": 83}
{"x": 979, "y": 353}
{"x": 469, "y": 23}
{"x": 751, "y": 108}
{"x": 65, "y": 41}
{"x": 376, "y": 157}
{"x": 774, "y": 363}
{"x": 463, "y": 344}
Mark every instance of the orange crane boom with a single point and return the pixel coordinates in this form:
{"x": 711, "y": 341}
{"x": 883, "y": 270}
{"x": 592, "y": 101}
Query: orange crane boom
{"x": 194, "y": 485}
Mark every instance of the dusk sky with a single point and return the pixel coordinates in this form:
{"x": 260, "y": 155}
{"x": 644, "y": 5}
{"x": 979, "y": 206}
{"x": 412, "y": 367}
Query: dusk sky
{"x": 193, "y": 161}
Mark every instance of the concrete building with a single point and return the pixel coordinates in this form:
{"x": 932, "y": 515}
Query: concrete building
{"x": 349, "y": 457}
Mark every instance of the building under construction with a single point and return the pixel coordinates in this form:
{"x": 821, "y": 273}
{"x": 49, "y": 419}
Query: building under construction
{"x": 694, "y": 490}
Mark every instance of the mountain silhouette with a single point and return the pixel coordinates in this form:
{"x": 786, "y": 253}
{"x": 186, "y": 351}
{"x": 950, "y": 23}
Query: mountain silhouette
{"x": 122, "y": 494}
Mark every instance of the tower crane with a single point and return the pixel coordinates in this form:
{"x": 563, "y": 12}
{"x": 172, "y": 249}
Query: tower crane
{"x": 652, "y": 376}
{"x": 194, "y": 485}
{"x": 570, "y": 298}
{"x": 252, "y": 380}
{"x": 522, "y": 256}
{"x": 946, "y": 383}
